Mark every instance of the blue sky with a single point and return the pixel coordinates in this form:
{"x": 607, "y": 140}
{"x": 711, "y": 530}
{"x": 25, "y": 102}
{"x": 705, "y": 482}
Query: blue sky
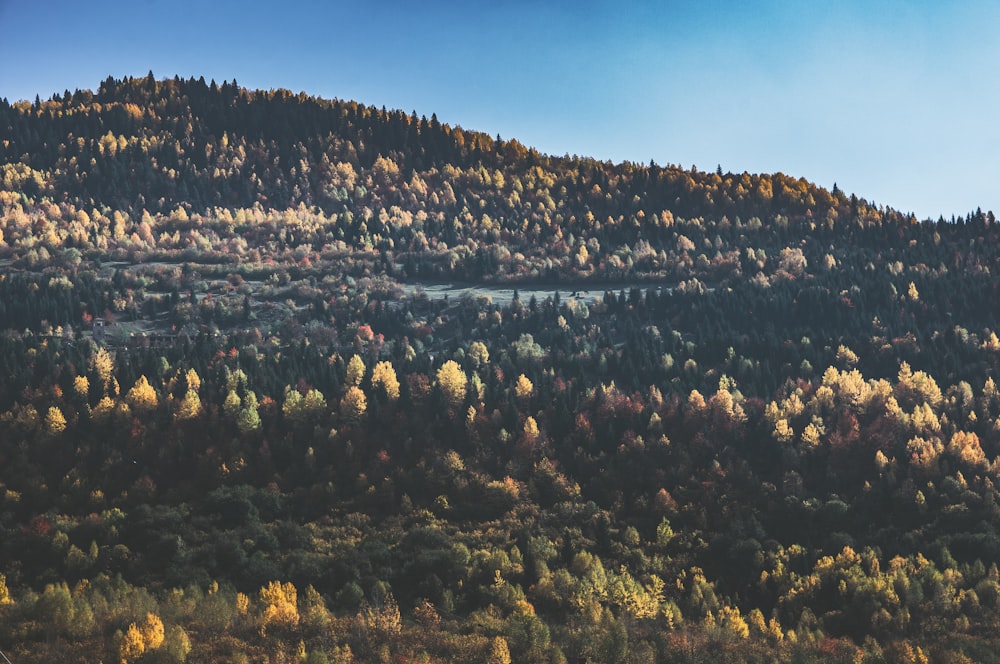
{"x": 895, "y": 101}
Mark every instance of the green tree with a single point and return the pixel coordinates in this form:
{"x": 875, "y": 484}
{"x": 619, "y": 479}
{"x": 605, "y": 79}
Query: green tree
{"x": 248, "y": 419}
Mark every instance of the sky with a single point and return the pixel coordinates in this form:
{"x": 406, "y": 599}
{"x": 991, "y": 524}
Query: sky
{"x": 895, "y": 101}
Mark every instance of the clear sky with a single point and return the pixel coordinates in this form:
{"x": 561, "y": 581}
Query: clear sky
{"x": 894, "y": 100}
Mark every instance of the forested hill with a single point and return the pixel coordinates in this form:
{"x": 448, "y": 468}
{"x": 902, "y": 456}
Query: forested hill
{"x": 144, "y": 144}
{"x": 738, "y": 418}
{"x": 161, "y": 151}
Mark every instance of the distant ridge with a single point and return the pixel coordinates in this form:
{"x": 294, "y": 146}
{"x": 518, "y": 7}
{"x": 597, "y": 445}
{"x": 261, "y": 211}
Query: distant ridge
{"x": 140, "y": 143}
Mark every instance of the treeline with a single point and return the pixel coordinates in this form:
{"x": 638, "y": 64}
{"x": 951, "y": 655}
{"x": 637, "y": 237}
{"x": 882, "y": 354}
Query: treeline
{"x": 763, "y": 333}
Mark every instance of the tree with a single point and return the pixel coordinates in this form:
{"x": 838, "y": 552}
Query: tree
{"x": 499, "y": 652}
{"x": 55, "y": 421}
{"x": 292, "y": 406}
{"x": 152, "y": 631}
{"x": 846, "y": 357}
{"x": 4, "y": 593}
{"x": 314, "y": 404}
{"x": 355, "y": 370}
{"x": 142, "y": 397}
{"x": 381, "y": 616}
{"x": 315, "y": 615}
{"x": 193, "y": 380}
{"x": 55, "y": 608}
{"x": 280, "y": 605}
{"x": 231, "y": 405}
{"x": 131, "y": 646}
{"x": 354, "y": 404}
{"x": 189, "y": 407}
{"x": 81, "y": 385}
{"x": 177, "y": 644}
{"x": 792, "y": 261}
{"x": 531, "y": 431}
{"x": 248, "y": 419}
{"x": 478, "y": 354}
{"x": 451, "y": 381}
{"x": 523, "y": 388}
{"x": 103, "y": 365}
{"x": 384, "y": 378}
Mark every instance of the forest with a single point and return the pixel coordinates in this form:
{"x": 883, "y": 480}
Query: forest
{"x": 751, "y": 419}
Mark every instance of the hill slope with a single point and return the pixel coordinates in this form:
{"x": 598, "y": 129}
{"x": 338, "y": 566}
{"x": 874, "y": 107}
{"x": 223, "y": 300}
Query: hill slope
{"x": 359, "y": 178}
{"x": 755, "y": 421}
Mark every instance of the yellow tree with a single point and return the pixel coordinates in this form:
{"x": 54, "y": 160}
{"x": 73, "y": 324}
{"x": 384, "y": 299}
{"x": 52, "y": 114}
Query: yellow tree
{"x": 4, "y": 593}
{"x": 499, "y": 652}
{"x": 355, "y": 370}
{"x": 451, "y": 380}
{"x": 314, "y": 404}
{"x": 142, "y": 397}
{"x": 193, "y": 380}
{"x": 531, "y": 431}
{"x": 280, "y": 602}
{"x": 299, "y": 409}
{"x": 384, "y": 377}
{"x": 102, "y": 364}
{"x": 523, "y": 388}
{"x": 81, "y": 385}
{"x": 382, "y": 616}
{"x": 730, "y": 620}
{"x": 479, "y": 354}
{"x": 354, "y": 404}
{"x": 152, "y": 632}
{"x": 242, "y": 604}
{"x": 131, "y": 647}
{"x": 292, "y": 406}
{"x": 55, "y": 421}
{"x": 189, "y": 408}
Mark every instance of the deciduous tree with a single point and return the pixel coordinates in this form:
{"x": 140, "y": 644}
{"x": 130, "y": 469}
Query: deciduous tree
{"x": 384, "y": 378}
{"x": 451, "y": 381}
{"x": 142, "y": 397}
{"x": 353, "y": 405}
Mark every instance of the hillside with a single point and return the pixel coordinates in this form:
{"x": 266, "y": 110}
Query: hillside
{"x": 669, "y": 416}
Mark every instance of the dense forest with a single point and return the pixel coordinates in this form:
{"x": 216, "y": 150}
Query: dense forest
{"x": 739, "y": 418}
